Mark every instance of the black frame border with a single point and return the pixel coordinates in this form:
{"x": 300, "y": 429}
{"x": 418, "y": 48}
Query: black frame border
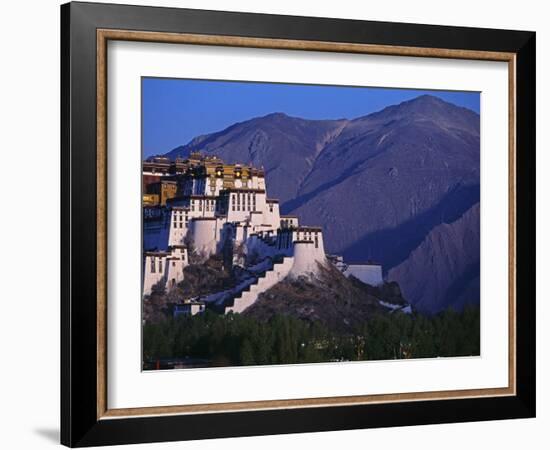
{"x": 79, "y": 423}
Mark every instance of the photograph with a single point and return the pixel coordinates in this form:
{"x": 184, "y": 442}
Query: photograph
{"x": 300, "y": 223}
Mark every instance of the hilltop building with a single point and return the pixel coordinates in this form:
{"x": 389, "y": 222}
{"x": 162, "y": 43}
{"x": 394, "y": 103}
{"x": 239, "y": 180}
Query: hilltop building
{"x": 163, "y": 190}
{"x": 189, "y": 308}
{"x": 219, "y": 208}
{"x": 164, "y": 268}
{"x": 368, "y": 272}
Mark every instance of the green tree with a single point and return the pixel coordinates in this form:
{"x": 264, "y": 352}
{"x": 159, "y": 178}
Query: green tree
{"x": 247, "y": 353}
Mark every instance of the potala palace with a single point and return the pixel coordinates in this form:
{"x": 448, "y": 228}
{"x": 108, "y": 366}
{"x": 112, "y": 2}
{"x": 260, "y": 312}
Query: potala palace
{"x": 200, "y": 206}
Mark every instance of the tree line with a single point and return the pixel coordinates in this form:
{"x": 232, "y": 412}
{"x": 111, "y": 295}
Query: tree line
{"x": 238, "y": 339}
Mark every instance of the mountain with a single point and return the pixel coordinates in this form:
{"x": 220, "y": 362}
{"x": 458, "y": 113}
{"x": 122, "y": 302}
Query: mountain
{"x": 378, "y": 184}
{"x": 450, "y": 254}
{"x": 392, "y": 176}
{"x": 285, "y": 146}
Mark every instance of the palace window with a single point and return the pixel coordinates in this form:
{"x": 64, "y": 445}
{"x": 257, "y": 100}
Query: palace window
{"x": 153, "y": 267}
{"x": 160, "y": 265}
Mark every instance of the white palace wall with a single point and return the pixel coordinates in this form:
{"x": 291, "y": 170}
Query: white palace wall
{"x": 164, "y": 267}
{"x": 271, "y": 216}
{"x": 178, "y": 226}
{"x": 206, "y": 234}
{"x": 156, "y": 233}
{"x": 367, "y": 273}
{"x": 306, "y": 259}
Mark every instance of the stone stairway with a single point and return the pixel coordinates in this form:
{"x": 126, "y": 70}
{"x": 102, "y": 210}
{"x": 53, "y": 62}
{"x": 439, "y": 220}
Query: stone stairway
{"x": 264, "y": 281}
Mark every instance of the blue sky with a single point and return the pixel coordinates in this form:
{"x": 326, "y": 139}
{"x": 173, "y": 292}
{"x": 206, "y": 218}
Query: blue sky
{"x": 177, "y": 110}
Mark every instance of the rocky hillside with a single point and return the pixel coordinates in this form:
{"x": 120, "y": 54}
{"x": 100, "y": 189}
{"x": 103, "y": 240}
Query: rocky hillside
{"x": 378, "y": 184}
{"x": 450, "y": 254}
{"x": 339, "y": 303}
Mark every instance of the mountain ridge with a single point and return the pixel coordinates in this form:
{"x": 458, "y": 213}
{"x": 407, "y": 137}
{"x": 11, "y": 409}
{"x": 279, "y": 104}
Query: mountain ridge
{"x": 420, "y": 99}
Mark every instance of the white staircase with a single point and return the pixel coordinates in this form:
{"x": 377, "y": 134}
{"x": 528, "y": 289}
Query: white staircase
{"x": 268, "y": 279}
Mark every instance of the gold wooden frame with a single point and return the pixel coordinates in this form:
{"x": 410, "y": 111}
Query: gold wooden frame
{"x": 103, "y": 36}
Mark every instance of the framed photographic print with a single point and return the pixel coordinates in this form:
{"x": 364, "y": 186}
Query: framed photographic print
{"x": 277, "y": 224}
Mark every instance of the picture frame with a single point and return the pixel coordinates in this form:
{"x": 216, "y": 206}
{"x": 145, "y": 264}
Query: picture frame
{"x": 86, "y": 418}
